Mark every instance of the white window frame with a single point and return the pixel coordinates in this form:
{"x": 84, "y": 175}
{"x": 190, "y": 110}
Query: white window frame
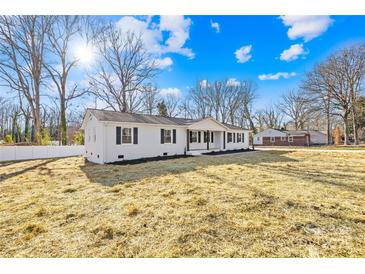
{"x": 272, "y": 139}
{"x": 239, "y": 137}
{"x": 165, "y": 135}
{"x": 94, "y": 135}
{"x": 131, "y": 135}
{"x": 258, "y": 138}
{"x": 290, "y": 139}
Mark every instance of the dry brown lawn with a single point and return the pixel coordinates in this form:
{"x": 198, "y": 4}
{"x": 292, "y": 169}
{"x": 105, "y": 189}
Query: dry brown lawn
{"x": 255, "y": 204}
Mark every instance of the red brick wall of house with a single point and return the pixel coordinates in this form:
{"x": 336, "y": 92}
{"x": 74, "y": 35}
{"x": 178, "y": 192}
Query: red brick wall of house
{"x": 297, "y": 141}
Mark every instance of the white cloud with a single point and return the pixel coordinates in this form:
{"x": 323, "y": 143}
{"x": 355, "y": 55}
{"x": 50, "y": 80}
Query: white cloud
{"x": 151, "y": 35}
{"x": 179, "y": 31}
{"x": 293, "y": 53}
{"x": 215, "y": 25}
{"x": 307, "y": 27}
{"x": 170, "y": 91}
{"x": 277, "y": 76}
{"x": 163, "y": 63}
{"x": 233, "y": 82}
{"x": 243, "y": 54}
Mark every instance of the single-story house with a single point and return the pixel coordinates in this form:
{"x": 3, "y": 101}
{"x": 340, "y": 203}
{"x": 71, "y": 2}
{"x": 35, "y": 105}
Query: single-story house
{"x": 279, "y": 137}
{"x": 112, "y": 136}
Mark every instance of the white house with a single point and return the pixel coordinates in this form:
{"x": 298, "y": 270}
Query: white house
{"x": 112, "y": 136}
{"x": 279, "y": 137}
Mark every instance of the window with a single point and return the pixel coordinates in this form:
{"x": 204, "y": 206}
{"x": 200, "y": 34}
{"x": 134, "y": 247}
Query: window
{"x": 193, "y": 137}
{"x": 290, "y": 139}
{"x": 258, "y": 138}
{"x": 243, "y": 137}
{"x": 282, "y": 138}
{"x": 167, "y": 136}
{"x": 89, "y": 135}
{"x": 127, "y": 136}
{"x": 229, "y": 137}
{"x": 205, "y": 136}
{"x": 272, "y": 139}
{"x": 118, "y": 135}
{"x": 239, "y": 137}
{"x": 212, "y": 137}
{"x": 94, "y": 134}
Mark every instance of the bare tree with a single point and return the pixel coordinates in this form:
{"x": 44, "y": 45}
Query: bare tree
{"x": 61, "y": 34}
{"x": 150, "y": 98}
{"x": 296, "y": 107}
{"x": 172, "y": 102}
{"x": 22, "y": 47}
{"x": 270, "y": 117}
{"x": 247, "y": 96}
{"x": 124, "y": 68}
{"x": 351, "y": 63}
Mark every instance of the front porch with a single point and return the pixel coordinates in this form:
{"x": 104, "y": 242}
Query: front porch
{"x": 203, "y": 141}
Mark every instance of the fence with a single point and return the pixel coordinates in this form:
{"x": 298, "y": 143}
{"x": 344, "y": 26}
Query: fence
{"x": 13, "y": 153}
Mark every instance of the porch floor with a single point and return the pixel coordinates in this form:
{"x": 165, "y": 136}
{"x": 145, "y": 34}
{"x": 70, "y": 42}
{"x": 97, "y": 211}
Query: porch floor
{"x": 201, "y": 151}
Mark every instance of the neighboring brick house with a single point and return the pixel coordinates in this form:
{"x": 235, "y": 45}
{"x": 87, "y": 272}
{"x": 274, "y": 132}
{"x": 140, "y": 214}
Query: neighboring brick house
{"x": 278, "y": 137}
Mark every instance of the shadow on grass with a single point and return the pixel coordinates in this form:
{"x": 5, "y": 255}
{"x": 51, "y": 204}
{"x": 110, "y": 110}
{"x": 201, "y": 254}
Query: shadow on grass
{"x": 321, "y": 176}
{"x": 41, "y": 166}
{"x": 110, "y": 175}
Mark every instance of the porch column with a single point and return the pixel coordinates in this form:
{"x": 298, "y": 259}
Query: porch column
{"x": 187, "y": 139}
{"x": 208, "y": 139}
{"x": 224, "y": 140}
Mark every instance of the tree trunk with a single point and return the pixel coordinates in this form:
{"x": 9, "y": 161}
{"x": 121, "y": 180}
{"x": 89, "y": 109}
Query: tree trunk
{"x": 345, "y": 129}
{"x": 63, "y": 122}
{"x": 354, "y": 125}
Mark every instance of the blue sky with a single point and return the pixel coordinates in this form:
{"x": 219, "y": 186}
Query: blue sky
{"x": 214, "y": 52}
{"x": 192, "y": 48}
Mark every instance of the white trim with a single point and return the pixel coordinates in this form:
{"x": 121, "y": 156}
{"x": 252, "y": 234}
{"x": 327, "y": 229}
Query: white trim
{"x": 290, "y": 139}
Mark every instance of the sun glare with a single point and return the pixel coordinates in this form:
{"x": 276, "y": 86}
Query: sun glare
{"x": 85, "y": 54}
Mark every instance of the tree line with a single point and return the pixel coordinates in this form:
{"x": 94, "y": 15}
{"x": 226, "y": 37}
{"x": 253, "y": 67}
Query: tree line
{"x": 36, "y": 62}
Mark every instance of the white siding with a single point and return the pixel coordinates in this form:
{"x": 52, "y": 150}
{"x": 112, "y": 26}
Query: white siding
{"x": 238, "y": 145}
{"x": 318, "y": 138}
{"x": 94, "y": 149}
{"x": 149, "y": 142}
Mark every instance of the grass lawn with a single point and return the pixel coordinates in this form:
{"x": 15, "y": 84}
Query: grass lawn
{"x": 254, "y": 204}
{"x": 333, "y": 147}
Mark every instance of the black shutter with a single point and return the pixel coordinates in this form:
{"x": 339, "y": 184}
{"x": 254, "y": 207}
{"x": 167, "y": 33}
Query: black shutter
{"x": 199, "y": 137}
{"x": 135, "y": 135}
{"x": 205, "y": 137}
{"x": 174, "y": 136}
{"x": 118, "y": 134}
{"x": 234, "y": 137}
{"x": 243, "y": 138}
{"x": 224, "y": 140}
{"x": 212, "y": 137}
{"x": 190, "y": 137}
{"x": 162, "y": 135}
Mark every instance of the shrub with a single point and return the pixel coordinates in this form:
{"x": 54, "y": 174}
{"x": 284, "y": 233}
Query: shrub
{"x": 79, "y": 137}
{"x": 44, "y": 137}
{"x": 8, "y": 139}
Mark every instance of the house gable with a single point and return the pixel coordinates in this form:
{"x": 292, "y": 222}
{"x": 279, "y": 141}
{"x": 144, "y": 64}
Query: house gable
{"x": 208, "y": 124}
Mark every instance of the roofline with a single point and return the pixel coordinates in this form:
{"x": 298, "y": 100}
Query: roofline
{"x": 157, "y": 124}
